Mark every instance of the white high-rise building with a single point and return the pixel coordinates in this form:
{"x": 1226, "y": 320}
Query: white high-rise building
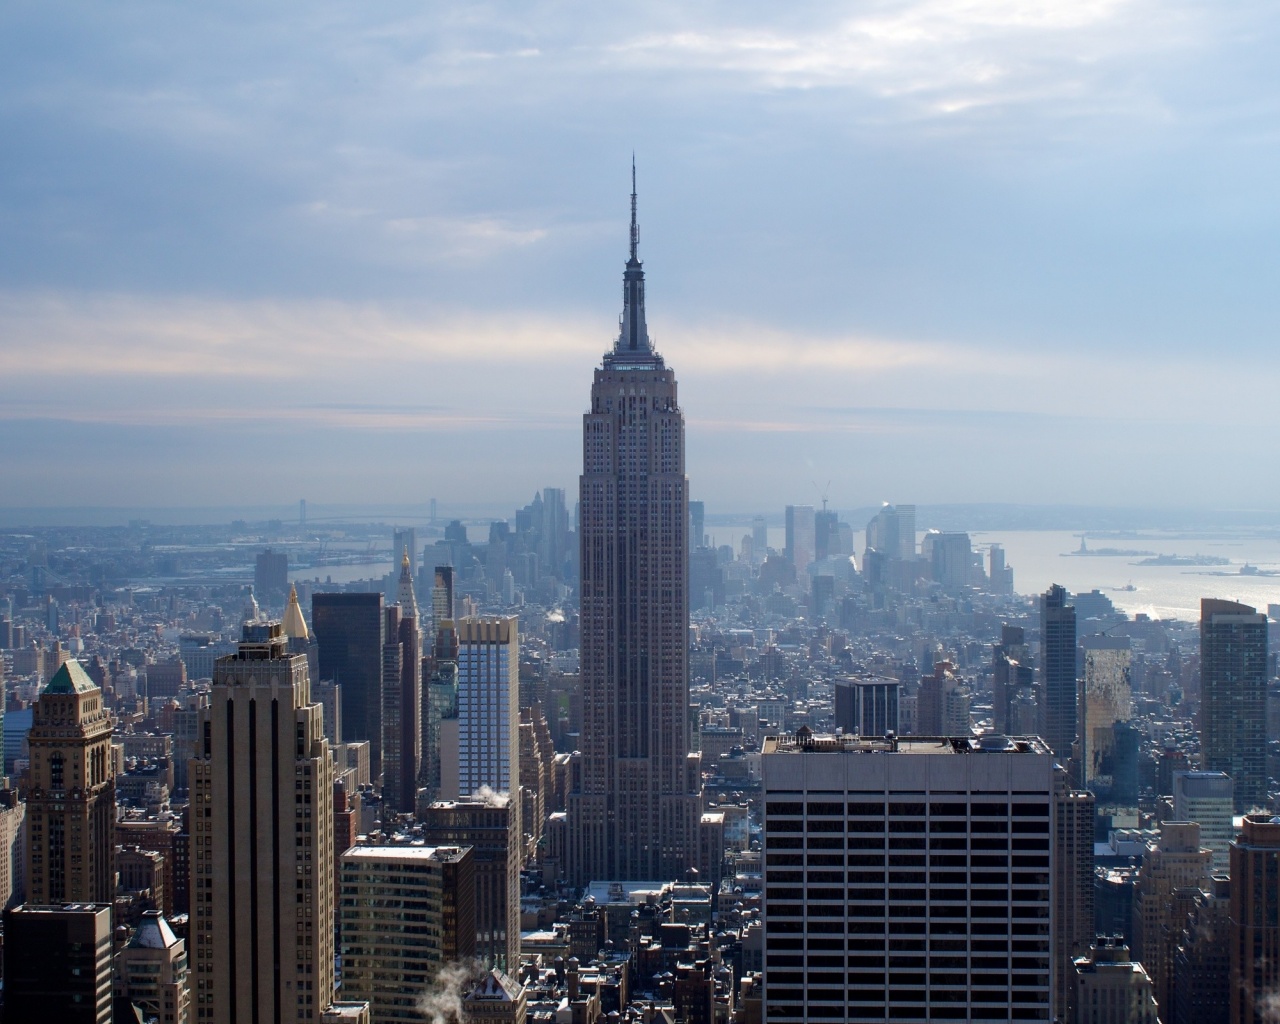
{"x": 1208, "y": 799}
{"x": 488, "y": 705}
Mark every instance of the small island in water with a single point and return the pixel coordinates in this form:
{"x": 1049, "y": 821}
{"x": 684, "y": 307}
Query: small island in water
{"x": 1089, "y": 552}
{"x": 1185, "y": 560}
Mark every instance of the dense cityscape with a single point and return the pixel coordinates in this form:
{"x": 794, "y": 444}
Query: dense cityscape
{"x": 584, "y": 764}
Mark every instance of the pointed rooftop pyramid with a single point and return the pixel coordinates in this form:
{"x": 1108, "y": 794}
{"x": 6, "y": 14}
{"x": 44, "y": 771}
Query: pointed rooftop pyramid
{"x": 295, "y": 626}
{"x": 70, "y": 678}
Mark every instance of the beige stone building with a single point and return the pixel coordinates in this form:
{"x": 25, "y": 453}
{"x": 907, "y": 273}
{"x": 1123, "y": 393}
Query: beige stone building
{"x": 262, "y": 847}
{"x": 71, "y": 802}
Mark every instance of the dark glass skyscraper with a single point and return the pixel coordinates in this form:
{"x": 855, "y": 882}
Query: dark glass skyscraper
{"x": 636, "y": 813}
{"x": 1058, "y": 658}
{"x": 1233, "y": 697}
{"x": 349, "y": 629}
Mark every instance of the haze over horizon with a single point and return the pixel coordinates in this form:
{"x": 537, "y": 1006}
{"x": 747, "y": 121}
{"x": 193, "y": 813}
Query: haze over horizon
{"x": 941, "y": 251}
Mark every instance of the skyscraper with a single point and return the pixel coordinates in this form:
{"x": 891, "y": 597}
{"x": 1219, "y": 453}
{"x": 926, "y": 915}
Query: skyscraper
{"x": 262, "y": 906}
{"x": 1058, "y": 670}
{"x": 489, "y": 706}
{"x": 71, "y": 803}
{"x": 801, "y": 539}
{"x": 349, "y": 630}
{"x": 57, "y": 963}
{"x": 948, "y": 907}
{"x": 636, "y": 812}
{"x": 1233, "y": 697}
{"x": 402, "y": 698}
{"x": 1254, "y": 924}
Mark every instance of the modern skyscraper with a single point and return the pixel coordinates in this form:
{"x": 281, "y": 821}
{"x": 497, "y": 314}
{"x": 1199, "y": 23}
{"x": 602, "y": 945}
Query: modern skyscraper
{"x": 1254, "y": 925}
{"x": 1058, "y": 670}
{"x": 262, "y": 908}
{"x": 349, "y": 629}
{"x": 636, "y": 813}
{"x": 1208, "y": 799}
{"x": 71, "y": 803}
{"x": 496, "y": 845}
{"x": 759, "y": 539}
{"x": 392, "y": 920}
{"x": 867, "y": 707}
{"x": 402, "y": 698}
{"x": 697, "y": 525}
{"x": 946, "y": 909}
{"x": 57, "y": 963}
{"x": 1233, "y": 697}
{"x": 271, "y": 576}
{"x": 801, "y": 540}
{"x": 489, "y": 706}
{"x": 1105, "y": 698}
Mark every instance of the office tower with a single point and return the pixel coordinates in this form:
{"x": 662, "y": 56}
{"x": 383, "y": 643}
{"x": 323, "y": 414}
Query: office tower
{"x": 349, "y": 630}
{"x": 1110, "y": 988}
{"x": 950, "y": 558}
{"x": 943, "y": 703}
{"x": 801, "y": 540}
{"x": 1001, "y": 574}
{"x": 1208, "y": 799}
{"x": 759, "y": 538}
{"x": 152, "y": 972}
{"x": 1202, "y": 965}
{"x": 13, "y": 848}
{"x": 1105, "y": 699}
{"x": 946, "y": 909}
{"x": 57, "y": 963}
{"x": 868, "y": 707}
{"x": 826, "y": 536}
{"x": 1233, "y": 697}
{"x": 1072, "y": 916}
{"x": 488, "y": 705}
{"x": 392, "y": 920}
{"x": 883, "y": 535}
{"x": 71, "y": 802}
{"x": 441, "y": 724}
{"x": 553, "y": 534}
{"x": 1013, "y": 676}
{"x": 262, "y": 840}
{"x": 1174, "y": 863}
{"x": 488, "y": 827}
{"x": 405, "y": 541}
{"x": 697, "y": 525}
{"x": 271, "y": 576}
{"x": 906, "y": 516}
{"x": 1058, "y": 670}
{"x": 402, "y": 698}
{"x": 1254, "y": 925}
{"x": 442, "y": 610}
{"x": 636, "y": 810}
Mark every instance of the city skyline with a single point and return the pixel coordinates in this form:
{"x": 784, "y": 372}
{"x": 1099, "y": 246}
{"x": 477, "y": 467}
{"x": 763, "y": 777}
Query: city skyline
{"x": 915, "y": 235}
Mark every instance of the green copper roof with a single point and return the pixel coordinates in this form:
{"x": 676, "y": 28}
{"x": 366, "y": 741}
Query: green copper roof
{"x": 70, "y": 678}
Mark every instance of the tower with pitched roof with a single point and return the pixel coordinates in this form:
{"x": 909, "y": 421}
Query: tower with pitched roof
{"x": 71, "y": 803}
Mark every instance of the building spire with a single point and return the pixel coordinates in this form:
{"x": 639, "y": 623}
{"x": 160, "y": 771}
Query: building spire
{"x": 633, "y": 334}
{"x": 635, "y": 228}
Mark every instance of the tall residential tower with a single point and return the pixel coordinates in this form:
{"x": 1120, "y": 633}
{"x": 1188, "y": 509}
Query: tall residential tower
{"x": 636, "y": 813}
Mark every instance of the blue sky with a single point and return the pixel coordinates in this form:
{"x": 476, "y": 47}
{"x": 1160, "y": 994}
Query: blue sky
{"x": 930, "y": 250}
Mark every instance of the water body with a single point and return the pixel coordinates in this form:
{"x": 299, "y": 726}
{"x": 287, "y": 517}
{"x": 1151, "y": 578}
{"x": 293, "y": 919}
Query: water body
{"x": 1160, "y": 591}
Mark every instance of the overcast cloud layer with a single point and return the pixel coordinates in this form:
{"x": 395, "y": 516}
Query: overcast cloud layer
{"x": 933, "y": 251}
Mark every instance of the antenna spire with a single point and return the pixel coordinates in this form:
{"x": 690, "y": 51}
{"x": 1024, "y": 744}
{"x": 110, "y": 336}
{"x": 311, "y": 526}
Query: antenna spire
{"x": 635, "y": 228}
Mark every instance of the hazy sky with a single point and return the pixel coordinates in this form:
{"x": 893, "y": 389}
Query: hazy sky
{"x": 931, "y": 251}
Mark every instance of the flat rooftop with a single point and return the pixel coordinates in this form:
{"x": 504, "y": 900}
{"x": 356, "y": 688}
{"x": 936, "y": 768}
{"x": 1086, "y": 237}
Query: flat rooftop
{"x": 827, "y": 743}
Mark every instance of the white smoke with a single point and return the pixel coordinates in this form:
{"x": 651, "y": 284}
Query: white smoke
{"x": 491, "y": 797}
{"x": 443, "y": 1002}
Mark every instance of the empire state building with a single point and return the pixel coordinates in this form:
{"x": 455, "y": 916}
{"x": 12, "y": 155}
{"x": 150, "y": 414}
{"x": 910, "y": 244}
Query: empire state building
{"x": 635, "y": 812}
